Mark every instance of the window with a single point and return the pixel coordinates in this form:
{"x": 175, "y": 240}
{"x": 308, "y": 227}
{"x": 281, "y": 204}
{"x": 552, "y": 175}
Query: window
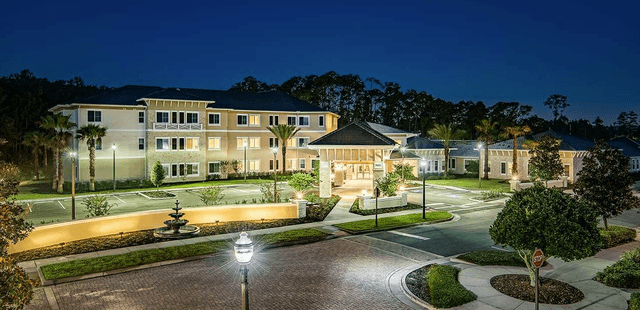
{"x": 192, "y": 169}
{"x": 566, "y": 170}
{"x": 94, "y": 116}
{"x": 303, "y": 163}
{"x": 192, "y": 144}
{"x": 291, "y": 164}
{"x": 302, "y": 142}
{"x": 241, "y": 142}
{"x": 321, "y": 120}
{"x": 214, "y": 119}
{"x": 452, "y": 163}
{"x": 165, "y": 167}
{"x": 162, "y": 144}
{"x": 174, "y": 143}
{"x": 271, "y": 164}
{"x": 214, "y": 167}
{"x": 291, "y": 143}
{"x": 162, "y": 117}
{"x": 273, "y": 120}
{"x": 466, "y": 164}
{"x": 174, "y": 170}
{"x": 273, "y": 142}
{"x": 253, "y": 165}
{"x": 254, "y": 143}
{"x": 303, "y": 121}
{"x": 428, "y": 166}
{"x": 242, "y": 119}
{"x": 181, "y": 114}
{"x": 214, "y": 143}
{"x": 442, "y": 165}
{"x": 181, "y": 143}
{"x": 291, "y": 120}
{"x": 254, "y": 120}
{"x": 503, "y": 168}
{"x": 141, "y": 117}
{"x": 140, "y": 143}
{"x": 174, "y": 117}
{"x": 192, "y": 118}
{"x": 435, "y": 165}
{"x": 98, "y": 144}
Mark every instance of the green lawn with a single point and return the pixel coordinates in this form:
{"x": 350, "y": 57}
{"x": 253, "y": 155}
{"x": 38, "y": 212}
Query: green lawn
{"x": 469, "y": 183}
{"x": 142, "y": 257}
{"x": 394, "y": 221}
{"x": 444, "y": 289}
{"x": 42, "y": 189}
{"x": 487, "y": 258}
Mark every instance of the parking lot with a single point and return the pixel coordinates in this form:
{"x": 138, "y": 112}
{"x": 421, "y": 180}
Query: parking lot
{"x": 59, "y": 210}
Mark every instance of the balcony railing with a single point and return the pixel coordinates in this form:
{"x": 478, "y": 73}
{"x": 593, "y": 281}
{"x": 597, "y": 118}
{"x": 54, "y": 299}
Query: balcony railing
{"x": 168, "y": 126}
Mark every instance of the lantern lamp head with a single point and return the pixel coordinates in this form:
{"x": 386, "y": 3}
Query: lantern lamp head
{"x": 243, "y": 249}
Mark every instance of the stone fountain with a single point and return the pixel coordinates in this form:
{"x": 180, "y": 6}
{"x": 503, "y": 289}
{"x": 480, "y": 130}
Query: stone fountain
{"x": 176, "y": 228}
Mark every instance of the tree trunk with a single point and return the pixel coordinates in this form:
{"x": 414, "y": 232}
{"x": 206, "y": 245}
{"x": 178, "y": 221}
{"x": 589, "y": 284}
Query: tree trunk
{"x": 514, "y": 169}
{"x": 446, "y": 161}
{"x": 526, "y": 257}
{"x": 606, "y": 224}
{"x": 92, "y": 167}
{"x": 60, "y": 175}
{"x": 486, "y": 162}
{"x": 54, "y": 177}
{"x": 35, "y": 166}
{"x": 46, "y": 164}
{"x": 284, "y": 158}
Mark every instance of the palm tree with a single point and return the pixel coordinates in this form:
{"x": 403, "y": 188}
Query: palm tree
{"x": 60, "y": 126}
{"x": 92, "y": 133}
{"x": 35, "y": 140}
{"x": 487, "y": 129}
{"x": 283, "y": 132}
{"x": 445, "y": 133}
{"x": 515, "y": 132}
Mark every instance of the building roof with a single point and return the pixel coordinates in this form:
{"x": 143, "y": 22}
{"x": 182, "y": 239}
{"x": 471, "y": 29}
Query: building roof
{"x": 356, "y": 133}
{"x": 397, "y": 154}
{"x": 629, "y": 147}
{"x": 261, "y": 101}
{"x": 568, "y": 142}
{"x": 386, "y": 129}
{"x": 467, "y": 148}
{"x": 420, "y": 143}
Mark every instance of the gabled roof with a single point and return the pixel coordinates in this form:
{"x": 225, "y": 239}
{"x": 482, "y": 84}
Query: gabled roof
{"x": 262, "y": 101}
{"x": 467, "y": 148}
{"x": 420, "y": 143}
{"x": 386, "y": 129}
{"x": 397, "y": 154}
{"x": 356, "y": 133}
{"x": 568, "y": 142}
{"x": 629, "y": 147}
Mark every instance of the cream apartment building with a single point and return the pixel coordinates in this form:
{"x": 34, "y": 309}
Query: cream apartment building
{"x": 191, "y": 131}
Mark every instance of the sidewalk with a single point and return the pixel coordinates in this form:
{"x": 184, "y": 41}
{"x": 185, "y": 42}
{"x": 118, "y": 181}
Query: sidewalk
{"x": 578, "y": 273}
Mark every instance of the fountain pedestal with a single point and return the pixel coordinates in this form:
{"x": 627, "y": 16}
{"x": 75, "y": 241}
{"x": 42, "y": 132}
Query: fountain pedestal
{"x": 176, "y": 228}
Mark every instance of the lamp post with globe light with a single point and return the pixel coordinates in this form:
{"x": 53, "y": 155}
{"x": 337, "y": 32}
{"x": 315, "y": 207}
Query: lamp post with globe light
{"x": 243, "y": 250}
{"x": 423, "y": 164}
{"x": 113, "y": 147}
{"x": 275, "y": 175}
{"x": 72, "y": 155}
{"x": 244, "y": 144}
{"x": 479, "y": 164}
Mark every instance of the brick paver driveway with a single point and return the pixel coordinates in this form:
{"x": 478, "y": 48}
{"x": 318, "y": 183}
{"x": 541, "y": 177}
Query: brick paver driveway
{"x": 346, "y": 273}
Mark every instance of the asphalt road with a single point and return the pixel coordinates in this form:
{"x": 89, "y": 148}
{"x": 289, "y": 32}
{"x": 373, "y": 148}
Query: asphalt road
{"x": 470, "y": 233}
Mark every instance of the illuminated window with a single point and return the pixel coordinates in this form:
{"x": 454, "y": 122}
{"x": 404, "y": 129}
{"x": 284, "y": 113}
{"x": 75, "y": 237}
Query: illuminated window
{"x": 241, "y": 142}
{"x": 291, "y": 143}
{"x": 254, "y": 120}
{"x": 253, "y": 164}
{"x": 254, "y": 143}
{"x": 214, "y": 143}
{"x": 192, "y": 144}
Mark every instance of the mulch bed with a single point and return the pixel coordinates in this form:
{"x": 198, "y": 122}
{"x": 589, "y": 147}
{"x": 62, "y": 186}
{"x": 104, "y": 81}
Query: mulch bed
{"x": 417, "y": 283}
{"x": 551, "y": 291}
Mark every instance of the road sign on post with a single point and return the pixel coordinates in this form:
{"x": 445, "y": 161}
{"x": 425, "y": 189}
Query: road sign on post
{"x": 537, "y": 260}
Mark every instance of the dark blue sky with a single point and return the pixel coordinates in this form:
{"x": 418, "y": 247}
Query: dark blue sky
{"x": 508, "y": 51}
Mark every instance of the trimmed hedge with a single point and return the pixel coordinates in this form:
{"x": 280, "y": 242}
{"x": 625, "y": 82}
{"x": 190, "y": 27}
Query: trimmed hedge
{"x": 500, "y": 258}
{"x": 616, "y": 235}
{"x": 444, "y": 288}
{"x": 634, "y": 302}
{"x": 624, "y": 273}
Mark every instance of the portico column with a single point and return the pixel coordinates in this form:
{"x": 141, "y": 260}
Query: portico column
{"x": 325, "y": 178}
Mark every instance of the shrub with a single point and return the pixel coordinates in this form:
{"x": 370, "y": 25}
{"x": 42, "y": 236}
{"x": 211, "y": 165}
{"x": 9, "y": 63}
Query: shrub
{"x": 388, "y": 184}
{"x": 405, "y": 171}
{"x": 355, "y": 207}
{"x": 634, "y": 302}
{"x": 500, "y": 258}
{"x": 444, "y": 288}
{"x": 492, "y": 194}
{"x": 318, "y": 208}
{"x": 301, "y": 182}
{"x": 625, "y": 273}
{"x": 211, "y": 195}
{"x": 616, "y": 235}
{"x": 97, "y": 205}
{"x": 268, "y": 195}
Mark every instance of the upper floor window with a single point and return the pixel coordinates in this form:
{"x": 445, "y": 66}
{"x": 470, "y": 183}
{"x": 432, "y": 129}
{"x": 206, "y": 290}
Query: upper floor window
{"x": 302, "y": 142}
{"x": 303, "y": 163}
{"x": 243, "y": 119}
{"x": 94, "y": 116}
{"x": 140, "y": 143}
{"x": 254, "y": 143}
{"x": 254, "y": 120}
{"x": 192, "y": 144}
{"x": 303, "y": 121}
{"x": 98, "y": 144}
{"x": 273, "y": 142}
{"x": 192, "y": 118}
{"x": 273, "y": 120}
{"x": 291, "y": 120}
{"x": 242, "y": 142}
{"x": 321, "y": 120}
{"x": 214, "y": 143}
{"x": 291, "y": 143}
{"x": 162, "y": 143}
{"x": 162, "y": 117}
{"x": 214, "y": 118}
{"x": 141, "y": 117}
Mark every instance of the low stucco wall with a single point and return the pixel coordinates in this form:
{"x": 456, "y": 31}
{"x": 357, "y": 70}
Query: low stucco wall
{"x": 52, "y": 234}
{"x": 368, "y": 203}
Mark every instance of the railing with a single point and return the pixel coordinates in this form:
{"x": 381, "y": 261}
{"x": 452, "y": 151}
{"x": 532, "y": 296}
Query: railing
{"x": 168, "y": 126}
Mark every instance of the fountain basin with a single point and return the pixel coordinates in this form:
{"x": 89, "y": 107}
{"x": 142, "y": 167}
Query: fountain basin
{"x": 169, "y": 233}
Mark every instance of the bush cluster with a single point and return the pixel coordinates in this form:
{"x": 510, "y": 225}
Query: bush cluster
{"x": 634, "y": 302}
{"x": 444, "y": 288}
{"x": 624, "y": 273}
{"x": 616, "y": 235}
{"x": 492, "y": 194}
{"x": 82, "y": 187}
{"x": 318, "y": 208}
{"x": 486, "y": 258}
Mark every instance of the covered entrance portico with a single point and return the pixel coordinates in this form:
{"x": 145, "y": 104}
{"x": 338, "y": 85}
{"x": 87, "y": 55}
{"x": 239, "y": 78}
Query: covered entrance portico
{"x": 354, "y": 152}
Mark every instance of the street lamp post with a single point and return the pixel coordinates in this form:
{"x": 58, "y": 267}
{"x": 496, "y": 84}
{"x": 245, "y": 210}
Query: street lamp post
{"x": 479, "y": 164}
{"x": 275, "y": 175}
{"x": 113, "y": 147}
{"x": 244, "y": 144}
{"x": 402, "y": 149}
{"x": 244, "y": 251}
{"x": 423, "y": 164}
{"x": 73, "y": 185}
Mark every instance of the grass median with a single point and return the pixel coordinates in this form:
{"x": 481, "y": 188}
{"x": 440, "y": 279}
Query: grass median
{"x": 394, "y": 221}
{"x": 132, "y": 259}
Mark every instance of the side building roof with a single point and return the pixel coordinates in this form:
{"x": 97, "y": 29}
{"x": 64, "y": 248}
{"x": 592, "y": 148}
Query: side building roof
{"x": 568, "y": 142}
{"x": 356, "y": 133}
{"x": 629, "y": 147}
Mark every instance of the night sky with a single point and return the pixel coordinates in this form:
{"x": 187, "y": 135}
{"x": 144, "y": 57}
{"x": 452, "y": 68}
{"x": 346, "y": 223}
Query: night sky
{"x": 511, "y": 51}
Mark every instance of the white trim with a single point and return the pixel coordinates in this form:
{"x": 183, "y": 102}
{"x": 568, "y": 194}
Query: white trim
{"x": 186, "y": 117}
{"x": 274, "y": 116}
{"x": 144, "y": 118}
{"x": 324, "y": 121}
{"x": 214, "y": 124}
{"x": 191, "y": 175}
{"x": 298, "y": 142}
{"x": 300, "y": 161}
{"x": 247, "y": 130}
{"x": 197, "y": 144}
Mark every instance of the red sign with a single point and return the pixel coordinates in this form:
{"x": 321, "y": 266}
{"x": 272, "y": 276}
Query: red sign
{"x": 538, "y": 258}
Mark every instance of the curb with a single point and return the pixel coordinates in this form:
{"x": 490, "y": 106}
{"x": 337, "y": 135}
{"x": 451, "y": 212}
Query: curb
{"x": 360, "y": 232}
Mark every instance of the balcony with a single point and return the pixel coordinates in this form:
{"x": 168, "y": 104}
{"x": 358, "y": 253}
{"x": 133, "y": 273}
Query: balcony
{"x": 168, "y": 126}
